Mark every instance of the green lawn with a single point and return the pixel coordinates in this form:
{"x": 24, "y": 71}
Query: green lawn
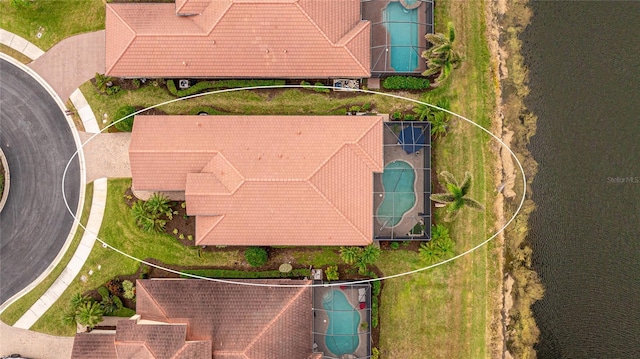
{"x": 259, "y": 102}
{"x": 55, "y": 20}
{"x": 449, "y": 312}
{"x": 19, "y": 307}
{"x": 120, "y": 230}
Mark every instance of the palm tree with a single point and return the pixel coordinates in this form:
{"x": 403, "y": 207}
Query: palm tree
{"x": 369, "y": 255}
{"x": 89, "y": 314}
{"x": 148, "y": 215}
{"x": 444, "y": 247}
{"x": 350, "y": 254}
{"x": 456, "y": 196}
{"x": 158, "y": 204}
{"x": 428, "y": 253}
{"x": 439, "y": 119}
{"x": 441, "y": 57}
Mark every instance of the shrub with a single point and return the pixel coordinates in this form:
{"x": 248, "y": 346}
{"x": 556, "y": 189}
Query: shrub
{"x": 190, "y": 237}
{"x": 228, "y": 273}
{"x": 396, "y": 115}
{"x": 376, "y": 287}
{"x": 104, "y": 292}
{"x": 148, "y": 214}
{"x": 320, "y": 89}
{"x": 395, "y": 245}
{"x": 129, "y": 289}
{"x": 354, "y": 109}
{"x": 256, "y": 256}
{"x": 136, "y": 83}
{"x": 366, "y": 106}
{"x": 374, "y": 312}
{"x": 89, "y": 314}
{"x": 219, "y": 84}
{"x": 112, "y": 90}
{"x": 114, "y": 286}
{"x": 405, "y": 83}
{"x": 409, "y": 117}
{"x": 125, "y": 125}
{"x": 332, "y": 273}
{"x": 101, "y": 82}
{"x": 375, "y": 353}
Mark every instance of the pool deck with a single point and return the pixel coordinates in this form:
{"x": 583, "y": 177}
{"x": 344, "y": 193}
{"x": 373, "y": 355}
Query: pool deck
{"x": 393, "y": 152}
{"x": 373, "y": 11}
{"x": 321, "y": 320}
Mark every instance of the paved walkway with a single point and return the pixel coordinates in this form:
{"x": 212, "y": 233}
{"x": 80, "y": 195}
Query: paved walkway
{"x": 72, "y": 62}
{"x": 33, "y": 344}
{"x": 106, "y": 155}
{"x": 77, "y": 261}
{"x": 20, "y": 44}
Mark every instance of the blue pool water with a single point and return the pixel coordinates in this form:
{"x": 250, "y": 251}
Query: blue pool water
{"x": 398, "y": 181}
{"x": 402, "y": 26}
{"x": 342, "y": 333}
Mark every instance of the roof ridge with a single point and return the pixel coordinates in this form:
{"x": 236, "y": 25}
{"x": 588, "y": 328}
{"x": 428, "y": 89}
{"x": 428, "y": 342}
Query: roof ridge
{"x": 363, "y": 25}
{"x": 124, "y": 49}
{"x": 212, "y": 226}
{"x": 215, "y": 23}
{"x": 364, "y": 151}
{"x": 313, "y": 22}
{"x": 157, "y": 305}
{"x": 274, "y": 320}
{"x": 345, "y": 145}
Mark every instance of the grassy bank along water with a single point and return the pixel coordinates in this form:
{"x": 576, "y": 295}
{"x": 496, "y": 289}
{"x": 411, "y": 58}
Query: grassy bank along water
{"x": 522, "y": 282}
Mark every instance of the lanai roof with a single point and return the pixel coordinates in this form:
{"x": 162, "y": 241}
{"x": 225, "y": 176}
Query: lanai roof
{"x": 265, "y": 180}
{"x": 238, "y": 39}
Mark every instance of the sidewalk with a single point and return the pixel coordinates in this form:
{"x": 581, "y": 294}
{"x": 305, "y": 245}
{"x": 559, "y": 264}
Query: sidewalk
{"x": 77, "y": 261}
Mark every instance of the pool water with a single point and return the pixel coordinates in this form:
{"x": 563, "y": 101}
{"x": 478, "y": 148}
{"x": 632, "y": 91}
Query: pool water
{"x": 398, "y": 181}
{"x": 344, "y": 319}
{"x": 402, "y": 26}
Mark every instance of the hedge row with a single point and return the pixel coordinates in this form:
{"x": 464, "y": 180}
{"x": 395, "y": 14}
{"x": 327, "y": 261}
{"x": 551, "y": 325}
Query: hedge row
{"x": 219, "y": 84}
{"x": 228, "y": 273}
{"x": 405, "y": 83}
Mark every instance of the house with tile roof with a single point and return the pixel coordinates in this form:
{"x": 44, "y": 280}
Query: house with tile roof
{"x": 187, "y": 318}
{"x": 264, "y": 180}
{"x": 305, "y": 39}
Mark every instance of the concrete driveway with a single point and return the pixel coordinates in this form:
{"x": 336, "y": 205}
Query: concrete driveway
{"x": 37, "y": 142}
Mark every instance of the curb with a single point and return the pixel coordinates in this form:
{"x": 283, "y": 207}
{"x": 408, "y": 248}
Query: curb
{"x": 83, "y": 180}
{"x": 20, "y": 44}
{"x": 71, "y": 271}
{"x": 7, "y": 180}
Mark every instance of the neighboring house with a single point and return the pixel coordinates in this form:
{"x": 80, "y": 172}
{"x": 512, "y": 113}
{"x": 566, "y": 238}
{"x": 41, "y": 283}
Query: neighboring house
{"x": 304, "y": 39}
{"x": 185, "y": 318}
{"x": 265, "y": 180}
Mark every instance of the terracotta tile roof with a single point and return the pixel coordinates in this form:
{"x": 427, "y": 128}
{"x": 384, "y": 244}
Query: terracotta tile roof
{"x": 93, "y": 346}
{"x": 308, "y": 179}
{"x": 240, "y": 321}
{"x": 238, "y": 39}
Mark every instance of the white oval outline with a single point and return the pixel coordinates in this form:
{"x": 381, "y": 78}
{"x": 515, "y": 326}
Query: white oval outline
{"x": 397, "y": 275}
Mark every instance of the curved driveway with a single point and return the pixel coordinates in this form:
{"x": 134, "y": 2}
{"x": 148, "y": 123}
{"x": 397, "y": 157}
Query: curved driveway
{"x": 37, "y": 141}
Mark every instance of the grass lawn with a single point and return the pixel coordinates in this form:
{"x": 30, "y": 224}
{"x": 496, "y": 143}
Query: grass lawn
{"x": 15, "y": 54}
{"x": 120, "y": 230}
{"x": 19, "y": 307}
{"x": 447, "y": 312}
{"x": 259, "y": 102}
{"x": 54, "y": 19}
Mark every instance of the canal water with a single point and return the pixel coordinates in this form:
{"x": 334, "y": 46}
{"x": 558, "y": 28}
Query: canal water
{"x": 584, "y": 62}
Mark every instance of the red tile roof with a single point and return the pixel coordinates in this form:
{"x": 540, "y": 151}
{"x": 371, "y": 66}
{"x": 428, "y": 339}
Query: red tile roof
{"x": 189, "y": 318}
{"x": 238, "y": 39}
{"x": 241, "y": 321}
{"x": 265, "y": 180}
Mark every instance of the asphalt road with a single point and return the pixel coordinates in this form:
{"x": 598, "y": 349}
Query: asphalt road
{"x": 37, "y": 142}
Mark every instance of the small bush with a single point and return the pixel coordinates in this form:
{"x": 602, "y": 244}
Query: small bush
{"x": 374, "y": 312}
{"x": 136, "y": 83}
{"x": 114, "y": 286}
{"x": 376, "y": 287}
{"x": 112, "y": 90}
{"x": 125, "y": 125}
{"x": 190, "y": 237}
{"x": 405, "y": 83}
{"x": 332, "y": 273}
{"x": 256, "y": 256}
{"x": 409, "y": 117}
{"x": 395, "y": 245}
{"x": 396, "y": 115}
{"x": 366, "y": 106}
{"x": 129, "y": 289}
{"x": 354, "y": 109}
{"x": 319, "y": 89}
{"x": 375, "y": 353}
{"x": 104, "y": 292}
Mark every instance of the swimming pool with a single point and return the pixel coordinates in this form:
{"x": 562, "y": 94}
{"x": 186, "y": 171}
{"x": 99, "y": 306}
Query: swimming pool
{"x": 342, "y": 332}
{"x": 398, "y": 181}
{"x": 402, "y": 26}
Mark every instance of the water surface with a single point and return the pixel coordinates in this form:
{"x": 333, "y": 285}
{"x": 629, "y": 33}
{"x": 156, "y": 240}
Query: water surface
{"x": 584, "y": 61}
